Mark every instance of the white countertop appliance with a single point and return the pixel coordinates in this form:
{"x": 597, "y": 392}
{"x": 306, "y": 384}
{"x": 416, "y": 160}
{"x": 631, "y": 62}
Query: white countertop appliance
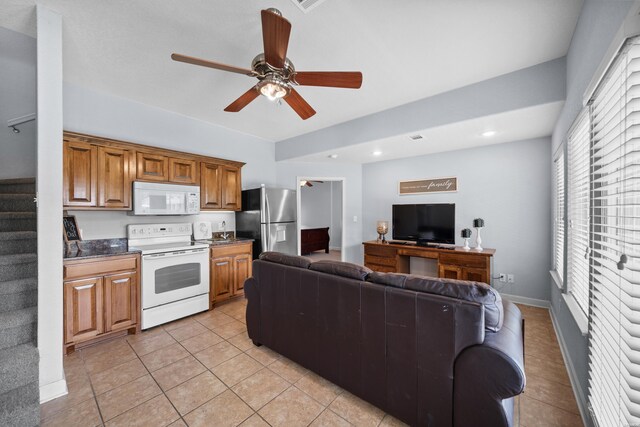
{"x": 201, "y": 230}
{"x": 152, "y": 198}
{"x": 175, "y": 272}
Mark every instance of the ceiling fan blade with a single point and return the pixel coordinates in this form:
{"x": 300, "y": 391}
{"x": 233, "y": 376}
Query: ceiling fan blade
{"x": 344, "y": 79}
{"x": 243, "y": 101}
{"x": 275, "y": 35}
{"x": 211, "y": 64}
{"x": 299, "y": 105}
{"x": 308, "y": 184}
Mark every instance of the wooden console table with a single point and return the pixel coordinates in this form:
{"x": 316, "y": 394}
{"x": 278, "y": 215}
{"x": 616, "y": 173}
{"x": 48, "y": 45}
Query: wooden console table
{"x": 452, "y": 263}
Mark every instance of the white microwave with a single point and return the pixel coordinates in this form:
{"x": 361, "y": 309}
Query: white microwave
{"x": 150, "y": 198}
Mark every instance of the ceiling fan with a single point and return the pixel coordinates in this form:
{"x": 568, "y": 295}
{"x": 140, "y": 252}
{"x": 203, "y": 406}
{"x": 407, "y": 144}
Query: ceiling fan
{"x": 309, "y": 183}
{"x": 275, "y": 72}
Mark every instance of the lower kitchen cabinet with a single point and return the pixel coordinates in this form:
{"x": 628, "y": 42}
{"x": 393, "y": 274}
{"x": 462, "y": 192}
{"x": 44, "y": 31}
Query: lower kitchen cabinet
{"x": 230, "y": 267}
{"x": 101, "y": 299}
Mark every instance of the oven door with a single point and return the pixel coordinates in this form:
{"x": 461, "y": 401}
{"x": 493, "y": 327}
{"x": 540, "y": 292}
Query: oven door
{"x": 173, "y": 276}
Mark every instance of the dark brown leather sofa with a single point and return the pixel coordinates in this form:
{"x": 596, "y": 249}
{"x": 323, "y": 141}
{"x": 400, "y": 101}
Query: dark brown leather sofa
{"x": 430, "y": 352}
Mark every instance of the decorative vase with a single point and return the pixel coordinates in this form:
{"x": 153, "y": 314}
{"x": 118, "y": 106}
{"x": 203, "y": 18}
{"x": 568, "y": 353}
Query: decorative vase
{"x": 382, "y": 228}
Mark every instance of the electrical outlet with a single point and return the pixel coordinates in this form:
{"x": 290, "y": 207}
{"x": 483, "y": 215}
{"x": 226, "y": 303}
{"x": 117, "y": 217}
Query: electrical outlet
{"x": 510, "y": 278}
{"x": 503, "y": 277}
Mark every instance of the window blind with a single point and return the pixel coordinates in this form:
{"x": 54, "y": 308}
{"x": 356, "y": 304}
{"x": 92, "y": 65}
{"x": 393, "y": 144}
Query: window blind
{"x": 614, "y": 328}
{"x": 558, "y": 228}
{"x": 578, "y": 142}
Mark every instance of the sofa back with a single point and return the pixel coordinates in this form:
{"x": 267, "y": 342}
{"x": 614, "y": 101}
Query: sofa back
{"x": 393, "y": 347}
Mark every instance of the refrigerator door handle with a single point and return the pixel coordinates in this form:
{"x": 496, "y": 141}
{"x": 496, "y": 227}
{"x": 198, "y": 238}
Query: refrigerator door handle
{"x": 265, "y": 237}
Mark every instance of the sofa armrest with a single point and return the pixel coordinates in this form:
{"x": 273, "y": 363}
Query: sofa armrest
{"x": 488, "y": 375}
{"x": 252, "y": 294}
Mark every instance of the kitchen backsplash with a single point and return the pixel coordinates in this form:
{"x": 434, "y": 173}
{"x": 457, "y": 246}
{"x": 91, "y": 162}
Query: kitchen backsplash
{"x": 113, "y": 224}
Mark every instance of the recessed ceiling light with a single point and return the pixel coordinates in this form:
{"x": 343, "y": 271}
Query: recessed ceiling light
{"x": 416, "y": 137}
{"x": 488, "y": 133}
{"x": 377, "y": 153}
{"x": 332, "y": 156}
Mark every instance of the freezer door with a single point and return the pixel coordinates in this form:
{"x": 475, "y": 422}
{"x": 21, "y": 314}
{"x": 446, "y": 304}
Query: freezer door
{"x": 278, "y": 205}
{"x": 280, "y": 237}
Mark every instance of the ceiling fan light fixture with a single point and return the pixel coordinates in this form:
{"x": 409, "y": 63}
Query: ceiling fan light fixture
{"x": 273, "y": 87}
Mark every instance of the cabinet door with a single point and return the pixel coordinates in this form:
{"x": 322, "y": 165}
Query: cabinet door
{"x": 450, "y": 271}
{"x": 114, "y": 177}
{"x": 231, "y": 188}
{"x": 475, "y": 275}
{"x": 183, "y": 171}
{"x": 80, "y": 174}
{"x": 210, "y": 186}
{"x": 121, "y": 301}
{"x": 152, "y": 167}
{"x": 242, "y": 271}
{"x": 221, "y": 278}
{"x": 83, "y": 309}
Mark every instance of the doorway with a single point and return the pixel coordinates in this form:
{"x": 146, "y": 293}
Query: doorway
{"x": 321, "y": 218}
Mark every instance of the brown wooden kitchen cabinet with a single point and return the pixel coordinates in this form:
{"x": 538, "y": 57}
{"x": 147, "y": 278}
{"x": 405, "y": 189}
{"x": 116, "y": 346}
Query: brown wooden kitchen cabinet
{"x": 98, "y": 173}
{"x": 80, "y": 175}
{"x": 114, "y": 177}
{"x": 230, "y": 267}
{"x": 101, "y": 299}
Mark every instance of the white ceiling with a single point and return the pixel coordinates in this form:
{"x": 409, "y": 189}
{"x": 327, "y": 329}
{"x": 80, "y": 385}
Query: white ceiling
{"x": 517, "y": 125}
{"x": 407, "y": 50}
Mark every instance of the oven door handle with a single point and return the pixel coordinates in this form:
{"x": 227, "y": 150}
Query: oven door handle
{"x": 165, "y": 255}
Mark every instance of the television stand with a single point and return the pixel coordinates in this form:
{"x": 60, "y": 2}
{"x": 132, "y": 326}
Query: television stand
{"x": 453, "y": 262}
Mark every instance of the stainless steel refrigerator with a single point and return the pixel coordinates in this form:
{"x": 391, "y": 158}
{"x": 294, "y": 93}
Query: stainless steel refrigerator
{"x": 269, "y": 217}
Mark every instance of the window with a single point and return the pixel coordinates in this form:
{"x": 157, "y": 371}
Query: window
{"x": 614, "y": 329}
{"x": 558, "y": 220}
{"x": 578, "y": 210}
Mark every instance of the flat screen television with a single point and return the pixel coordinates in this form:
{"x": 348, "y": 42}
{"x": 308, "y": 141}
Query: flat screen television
{"x": 425, "y": 223}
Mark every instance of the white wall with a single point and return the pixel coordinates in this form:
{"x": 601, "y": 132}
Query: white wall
{"x": 287, "y": 173}
{"x": 18, "y": 99}
{"x": 49, "y": 184}
{"x": 505, "y": 184}
{"x": 336, "y": 215}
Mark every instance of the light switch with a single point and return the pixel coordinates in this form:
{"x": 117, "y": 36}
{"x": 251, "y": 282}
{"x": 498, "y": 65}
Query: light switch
{"x": 355, "y": 218}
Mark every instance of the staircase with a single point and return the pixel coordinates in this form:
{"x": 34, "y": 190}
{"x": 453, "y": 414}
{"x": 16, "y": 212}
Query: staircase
{"x": 19, "y": 391}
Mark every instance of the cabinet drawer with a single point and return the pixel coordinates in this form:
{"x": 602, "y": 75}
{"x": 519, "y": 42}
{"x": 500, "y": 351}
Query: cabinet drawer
{"x": 382, "y": 251}
{"x": 231, "y": 249}
{"x": 381, "y": 268}
{"x": 378, "y": 260}
{"x": 95, "y": 268}
{"x": 418, "y": 253}
{"x": 466, "y": 260}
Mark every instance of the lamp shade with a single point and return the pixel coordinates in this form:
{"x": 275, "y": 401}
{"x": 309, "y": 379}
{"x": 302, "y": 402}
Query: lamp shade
{"x": 465, "y": 233}
{"x": 478, "y": 223}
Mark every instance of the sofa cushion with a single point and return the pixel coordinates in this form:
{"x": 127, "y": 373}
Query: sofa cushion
{"x": 460, "y": 289}
{"x": 344, "y": 269}
{"x": 290, "y": 260}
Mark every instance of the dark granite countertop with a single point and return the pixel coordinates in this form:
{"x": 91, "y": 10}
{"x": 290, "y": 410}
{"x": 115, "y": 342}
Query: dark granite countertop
{"x": 222, "y": 242}
{"x": 98, "y": 249}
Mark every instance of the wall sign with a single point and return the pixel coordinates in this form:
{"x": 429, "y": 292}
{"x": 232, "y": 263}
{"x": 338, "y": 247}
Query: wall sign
{"x": 436, "y": 185}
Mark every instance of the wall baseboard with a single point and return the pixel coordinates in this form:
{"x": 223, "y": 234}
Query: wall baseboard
{"x": 581, "y": 399}
{"x": 527, "y": 301}
{"x": 53, "y": 390}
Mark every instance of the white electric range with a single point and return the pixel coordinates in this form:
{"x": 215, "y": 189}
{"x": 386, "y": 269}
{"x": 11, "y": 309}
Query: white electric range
{"x": 175, "y": 271}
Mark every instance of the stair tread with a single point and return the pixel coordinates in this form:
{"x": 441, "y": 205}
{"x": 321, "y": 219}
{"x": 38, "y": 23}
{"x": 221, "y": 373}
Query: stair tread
{"x": 24, "y": 316}
{"x": 18, "y": 181}
{"x": 17, "y": 235}
{"x": 20, "y": 285}
{"x": 21, "y": 214}
{"x": 19, "y": 352}
{"x": 21, "y": 416}
{"x": 12, "y": 259}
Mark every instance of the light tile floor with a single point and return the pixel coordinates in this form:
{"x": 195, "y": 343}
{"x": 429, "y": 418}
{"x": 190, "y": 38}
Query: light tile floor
{"x": 204, "y": 371}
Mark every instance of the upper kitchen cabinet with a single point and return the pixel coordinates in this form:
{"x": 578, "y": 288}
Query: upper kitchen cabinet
{"x": 153, "y": 167}
{"x": 183, "y": 171}
{"x": 231, "y": 188}
{"x": 80, "y": 174}
{"x": 98, "y": 173}
{"x": 114, "y": 177}
{"x": 220, "y": 187}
